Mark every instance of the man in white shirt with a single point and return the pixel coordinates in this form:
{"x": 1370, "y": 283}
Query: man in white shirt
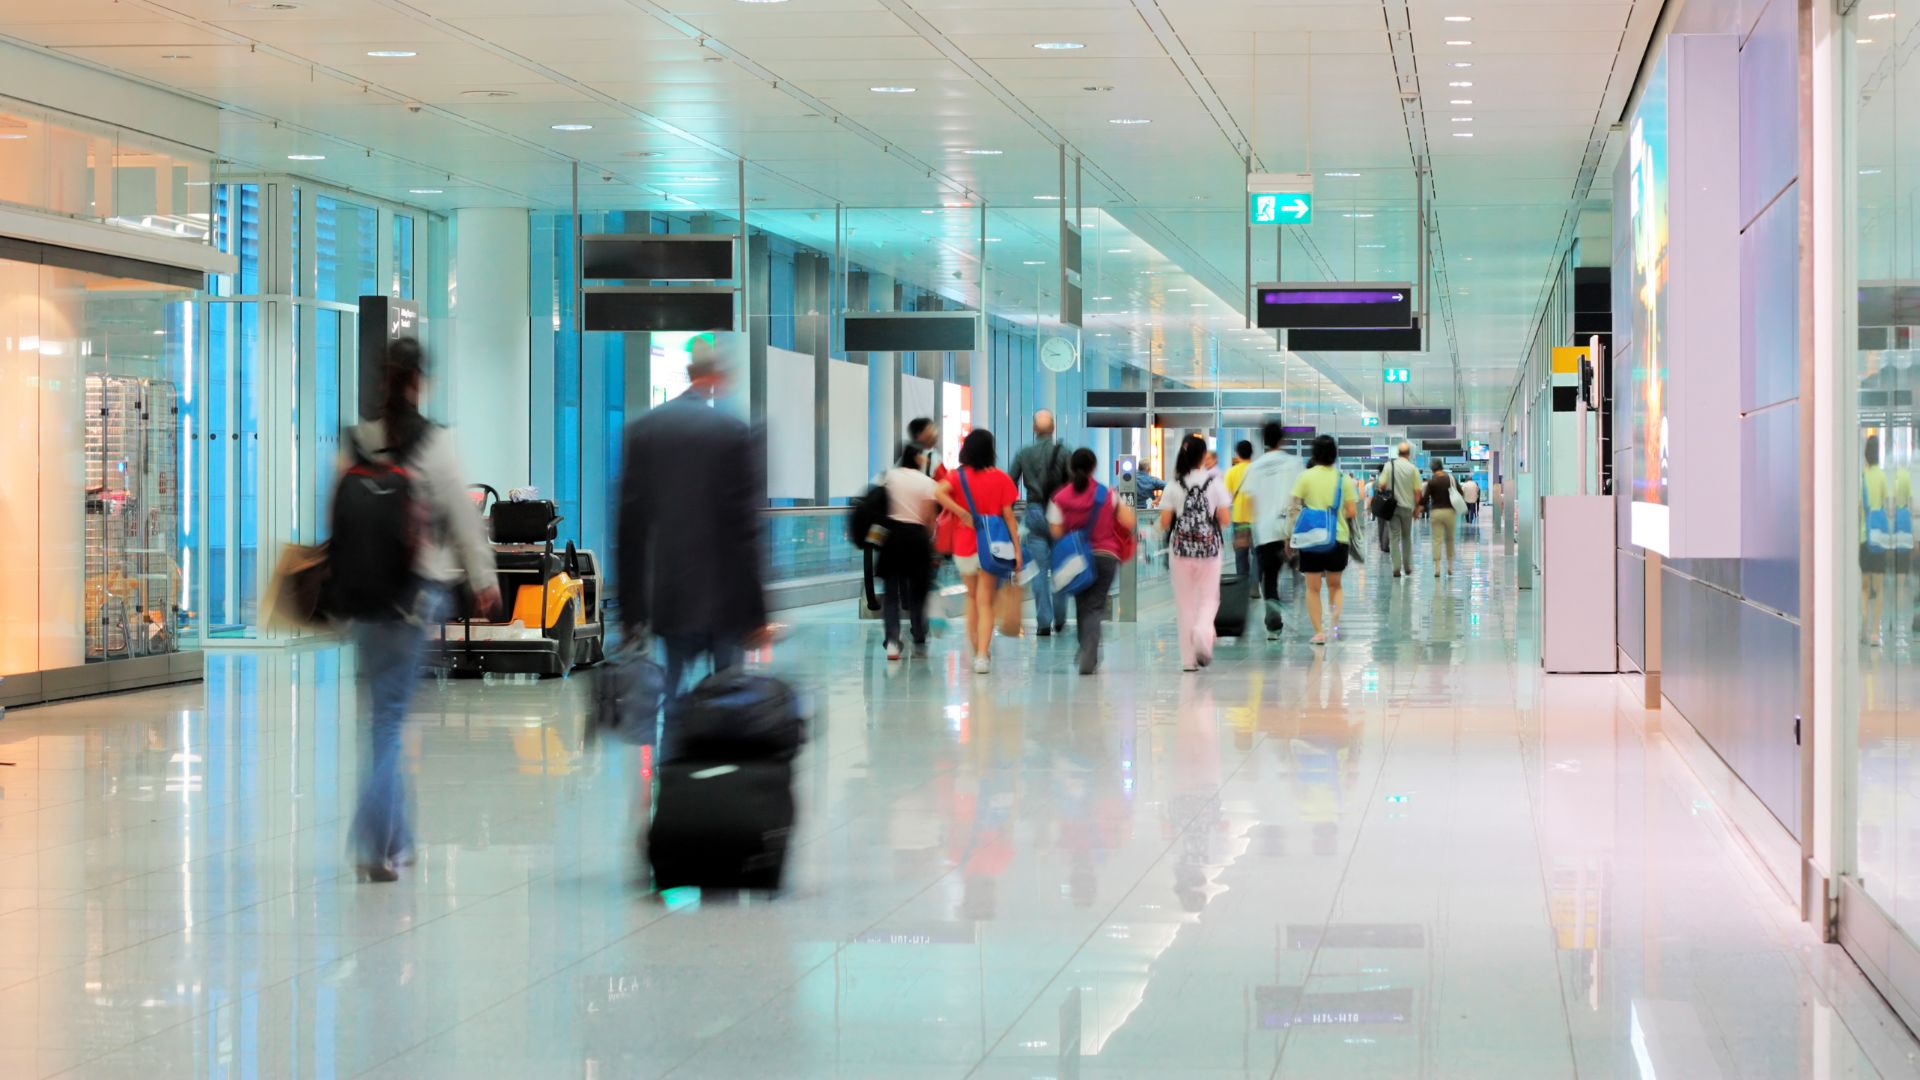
{"x": 1402, "y": 477}
{"x": 1470, "y": 491}
{"x": 1269, "y": 485}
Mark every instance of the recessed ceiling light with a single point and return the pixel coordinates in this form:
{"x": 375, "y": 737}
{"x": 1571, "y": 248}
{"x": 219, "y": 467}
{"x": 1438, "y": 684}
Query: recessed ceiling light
{"x": 1033, "y": 262}
{"x": 1103, "y": 298}
{"x": 1128, "y": 121}
{"x": 1869, "y": 172}
{"x": 1461, "y": 101}
{"x": 993, "y": 239}
{"x": 1199, "y": 303}
{"x": 1119, "y": 251}
{"x": 1176, "y": 290}
{"x": 1463, "y": 119}
{"x": 1461, "y": 64}
{"x": 306, "y": 157}
{"x": 12, "y": 135}
{"x": 1459, "y": 18}
{"x": 984, "y": 153}
{"x": 1344, "y": 175}
{"x": 1359, "y": 215}
{"x": 1459, "y": 42}
{"x": 1057, "y": 45}
{"x": 391, "y": 54}
{"x": 1460, "y": 85}
{"x": 1863, "y": 41}
{"x": 176, "y": 56}
{"x": 1463, "y": 134}
{"x": 1374, "y": 247}
{"x": 425, "y": 191}
{"x": 892, "y": 89}
{"x": 1047, "y": 198}
{"x": 1882, "y": 17}
{"x": 573, "y": 127}
{"x": 700, "y": 179}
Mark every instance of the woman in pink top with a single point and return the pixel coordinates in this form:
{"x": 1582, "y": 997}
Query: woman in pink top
{"x": 1070, "y": 511}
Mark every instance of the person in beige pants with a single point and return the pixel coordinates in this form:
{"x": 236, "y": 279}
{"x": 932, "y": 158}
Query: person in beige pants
{"x": 1437, "y": 498}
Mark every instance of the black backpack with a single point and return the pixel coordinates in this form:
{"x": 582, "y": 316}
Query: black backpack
{"x": 377, "y": 528}
{"x": 869, "y": 514}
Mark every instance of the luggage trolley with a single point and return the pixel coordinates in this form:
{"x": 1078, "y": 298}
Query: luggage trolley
{"x": 553, "y": 621}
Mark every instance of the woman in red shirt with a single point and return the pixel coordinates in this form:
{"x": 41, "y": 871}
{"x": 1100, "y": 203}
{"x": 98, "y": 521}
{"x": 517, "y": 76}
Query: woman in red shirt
{"x": 993, "y": 496}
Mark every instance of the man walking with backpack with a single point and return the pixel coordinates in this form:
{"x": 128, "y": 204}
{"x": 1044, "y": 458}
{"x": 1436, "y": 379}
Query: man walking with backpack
{"x": 688, "y": 553}
{"x": 1042, "y": 469}
{"x": 404, "y": 537}
{"x": 1400, "y": 482}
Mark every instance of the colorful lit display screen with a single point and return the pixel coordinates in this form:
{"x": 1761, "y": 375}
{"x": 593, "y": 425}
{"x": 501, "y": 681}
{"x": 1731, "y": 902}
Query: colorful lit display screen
{"x": 1648, "y": 149}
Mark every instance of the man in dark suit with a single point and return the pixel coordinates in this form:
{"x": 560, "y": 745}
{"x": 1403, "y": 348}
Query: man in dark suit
{"x": 688, "y": 556}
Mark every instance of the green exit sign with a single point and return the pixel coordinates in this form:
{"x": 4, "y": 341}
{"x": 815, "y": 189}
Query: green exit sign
{"x": 1280, "y": 207}
{"x": 1398, "y": 375}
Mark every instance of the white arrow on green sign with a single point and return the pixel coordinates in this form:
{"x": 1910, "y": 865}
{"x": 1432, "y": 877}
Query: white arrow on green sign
{"x": 1280, "y": 208}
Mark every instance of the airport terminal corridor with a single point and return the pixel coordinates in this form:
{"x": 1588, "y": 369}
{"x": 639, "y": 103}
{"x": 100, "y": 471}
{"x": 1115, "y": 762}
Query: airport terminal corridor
{"x": 1404, "y": 854}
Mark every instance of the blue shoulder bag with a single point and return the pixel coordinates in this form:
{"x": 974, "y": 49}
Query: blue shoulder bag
{"x": 1073, "y": 553}
{"x": 1319, "y": 530}
{"x": 1879, "y": 533}
{"x": 997, "y": 550}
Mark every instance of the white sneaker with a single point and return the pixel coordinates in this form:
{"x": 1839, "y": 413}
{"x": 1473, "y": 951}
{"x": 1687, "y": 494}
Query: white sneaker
{"x": 893, "y": 650}
{"x": 981, "y": 666}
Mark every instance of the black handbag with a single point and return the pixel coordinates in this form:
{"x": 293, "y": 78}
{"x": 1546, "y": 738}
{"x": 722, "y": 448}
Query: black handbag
{"x": 1385, "y": 503}
{"x": 627, "y": 693}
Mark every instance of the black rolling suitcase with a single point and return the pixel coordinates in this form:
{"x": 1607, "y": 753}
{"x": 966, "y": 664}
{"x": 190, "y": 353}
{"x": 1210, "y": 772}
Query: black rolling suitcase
{"x": 724, "y": 808}
{"x": 722, "y": 825}
{"x": 1231, "y": 620}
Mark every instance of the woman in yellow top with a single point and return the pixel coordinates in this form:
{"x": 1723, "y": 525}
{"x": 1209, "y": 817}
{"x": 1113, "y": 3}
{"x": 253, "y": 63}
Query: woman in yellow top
{"x": 1873, "y": 557}
{"x": 1316, "y": 490}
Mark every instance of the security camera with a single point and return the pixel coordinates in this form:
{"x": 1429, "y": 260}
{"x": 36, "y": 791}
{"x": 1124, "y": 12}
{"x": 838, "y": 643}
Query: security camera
{"x": 414, "y": 106}
{"x": 606, "y": 178}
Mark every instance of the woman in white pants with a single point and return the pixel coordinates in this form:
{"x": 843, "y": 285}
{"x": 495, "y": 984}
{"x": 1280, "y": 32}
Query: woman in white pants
{"x": 1194, "y": 513}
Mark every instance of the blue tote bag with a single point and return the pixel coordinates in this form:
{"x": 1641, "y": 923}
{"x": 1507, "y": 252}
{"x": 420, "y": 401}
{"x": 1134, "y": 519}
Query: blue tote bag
{"x": 996, "y": 547}
{"x": 1073, "y": 553}
{"x": 1319, "y": 530}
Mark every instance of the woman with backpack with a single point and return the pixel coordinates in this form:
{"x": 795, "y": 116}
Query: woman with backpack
{"x": 400, "y": 460}
{"x": 1195, "y": 517}
{"x": 1109, "y": 524}
{"x": 1326, "y": 489}
{"x": 976, "y": 492}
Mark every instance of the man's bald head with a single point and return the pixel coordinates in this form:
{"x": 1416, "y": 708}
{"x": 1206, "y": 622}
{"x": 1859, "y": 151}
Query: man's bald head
{"x": 1043, "y": 424}
{"x": 1406, "y": 449}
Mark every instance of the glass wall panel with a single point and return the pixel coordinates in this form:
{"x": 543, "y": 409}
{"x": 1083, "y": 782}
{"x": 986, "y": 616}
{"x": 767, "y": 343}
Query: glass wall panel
{"x": 57, "y": 163}
{"x": 346, "y": 240}
{"x": 402, "y": 285}
{"x": 1883, "y": 93}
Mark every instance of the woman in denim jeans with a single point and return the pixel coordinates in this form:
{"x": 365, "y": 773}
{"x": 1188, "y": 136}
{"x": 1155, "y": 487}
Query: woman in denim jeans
{"x": 452, "y": 553}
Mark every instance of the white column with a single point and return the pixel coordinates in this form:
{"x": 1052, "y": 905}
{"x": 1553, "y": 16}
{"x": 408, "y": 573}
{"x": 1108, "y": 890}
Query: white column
{"x": 488, "y": 368}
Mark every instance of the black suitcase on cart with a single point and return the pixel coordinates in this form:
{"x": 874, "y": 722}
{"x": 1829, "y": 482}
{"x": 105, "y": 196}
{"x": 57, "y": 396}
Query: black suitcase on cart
{"x": 1231, "y": 620}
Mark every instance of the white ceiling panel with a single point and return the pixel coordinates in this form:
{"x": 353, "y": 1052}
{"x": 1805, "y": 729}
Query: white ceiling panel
{"x": 789, "y": 87}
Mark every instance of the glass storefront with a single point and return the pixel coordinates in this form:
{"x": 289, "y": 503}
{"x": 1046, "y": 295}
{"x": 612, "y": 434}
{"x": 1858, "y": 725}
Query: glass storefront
{"x": 97, "y": 483}
{"x": 1879, "y": 582}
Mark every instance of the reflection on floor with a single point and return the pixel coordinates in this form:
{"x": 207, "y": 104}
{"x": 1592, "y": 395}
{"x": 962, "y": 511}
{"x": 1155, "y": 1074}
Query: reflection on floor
{"x": 1404, "y": 855}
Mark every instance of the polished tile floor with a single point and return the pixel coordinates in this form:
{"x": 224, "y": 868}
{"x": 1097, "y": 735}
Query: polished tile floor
{"x": 1405, "y": 855}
